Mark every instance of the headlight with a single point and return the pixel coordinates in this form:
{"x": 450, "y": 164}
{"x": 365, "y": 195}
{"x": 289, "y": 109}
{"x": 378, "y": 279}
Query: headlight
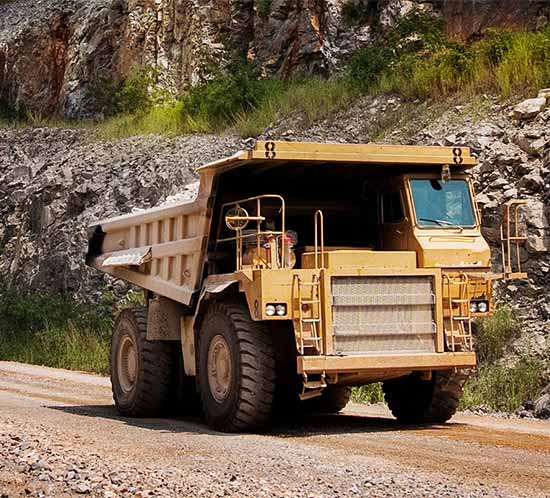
{"x": 280, "y": 309}
{"x": 483, "y": 306}
{"x": 473, "y": 307}
{"x": 270, "y": 310}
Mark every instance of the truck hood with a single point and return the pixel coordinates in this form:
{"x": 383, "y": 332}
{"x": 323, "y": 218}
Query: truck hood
{"x": 452, "y": 251}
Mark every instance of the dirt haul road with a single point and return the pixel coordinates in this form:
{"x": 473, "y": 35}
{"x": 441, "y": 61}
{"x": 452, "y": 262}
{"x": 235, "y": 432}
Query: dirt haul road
{"x": 60, "y": 437}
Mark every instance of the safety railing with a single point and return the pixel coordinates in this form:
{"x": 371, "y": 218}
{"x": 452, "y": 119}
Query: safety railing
{"x": 511, "y": 240}
{"x": 237, "y": 219}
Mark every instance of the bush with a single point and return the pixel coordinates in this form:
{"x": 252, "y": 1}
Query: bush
{"x": 503, "y": 389}
{"x": 371, "y": 393}
{"x": 493, "y": 333}
{"x": 368, "y": 65}
{"x": 56, "y": 331}
{"x": 263, "y": 7}
{"x": 219, "y": 102}
{"x": 355, "y": 13}
{"x": 416, "y": 60}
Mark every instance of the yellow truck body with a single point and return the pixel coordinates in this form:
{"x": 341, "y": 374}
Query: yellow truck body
{"x": 370, "y": 257}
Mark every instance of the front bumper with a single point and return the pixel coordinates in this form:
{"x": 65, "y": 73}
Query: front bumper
{"x": 385, "y": 362}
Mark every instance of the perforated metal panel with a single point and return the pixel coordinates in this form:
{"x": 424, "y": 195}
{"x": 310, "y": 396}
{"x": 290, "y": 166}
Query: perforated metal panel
{"x": 383, "y": 314}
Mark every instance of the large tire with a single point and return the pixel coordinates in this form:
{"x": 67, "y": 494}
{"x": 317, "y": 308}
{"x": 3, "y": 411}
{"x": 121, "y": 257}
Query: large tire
{"x": 416, "y": 401}
{"x": 236, "y": 369}
{"x": 333, "y": 399}
{"x": 143, "y": 373}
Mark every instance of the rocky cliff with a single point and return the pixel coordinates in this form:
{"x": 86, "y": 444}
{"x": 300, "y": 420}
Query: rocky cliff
{"x": 56, "y": 54}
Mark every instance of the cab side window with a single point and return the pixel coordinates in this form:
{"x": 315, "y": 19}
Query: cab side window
{"x": 392, "y": 207}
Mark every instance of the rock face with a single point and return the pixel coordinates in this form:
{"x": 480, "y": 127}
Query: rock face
{"x": 54, "y": 182}
{"x": 55, "y": 55}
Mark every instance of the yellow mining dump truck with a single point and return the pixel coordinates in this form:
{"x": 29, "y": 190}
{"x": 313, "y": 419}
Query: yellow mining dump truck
{"x": 300, "y": 270}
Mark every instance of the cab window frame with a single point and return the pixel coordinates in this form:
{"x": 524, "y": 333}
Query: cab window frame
{"x": 394, "y": 193}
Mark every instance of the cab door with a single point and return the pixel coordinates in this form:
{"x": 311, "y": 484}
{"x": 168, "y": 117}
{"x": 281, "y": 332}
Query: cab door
{"x": 393, "y": 221}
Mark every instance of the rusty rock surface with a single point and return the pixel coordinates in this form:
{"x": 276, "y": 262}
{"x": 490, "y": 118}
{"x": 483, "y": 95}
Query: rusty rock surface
{"x": 56, "y": 55}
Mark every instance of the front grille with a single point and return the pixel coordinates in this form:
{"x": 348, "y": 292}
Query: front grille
{"x": 383, "y": 314}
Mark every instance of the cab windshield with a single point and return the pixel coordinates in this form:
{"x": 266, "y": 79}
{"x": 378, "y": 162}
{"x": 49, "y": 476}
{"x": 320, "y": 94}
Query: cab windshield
{"x": 439, "y": 204}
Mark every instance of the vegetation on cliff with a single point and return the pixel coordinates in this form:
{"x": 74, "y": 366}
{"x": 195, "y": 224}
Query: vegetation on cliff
{"x": 414, "y": 60}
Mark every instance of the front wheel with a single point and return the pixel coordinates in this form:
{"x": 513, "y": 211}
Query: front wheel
{"x": 413, "y": 400}
{"x": 236, "y": 371}
{"x": 333, "y": 399}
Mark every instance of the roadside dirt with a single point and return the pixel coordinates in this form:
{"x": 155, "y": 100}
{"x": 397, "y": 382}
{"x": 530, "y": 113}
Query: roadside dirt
{"x": 60, "y": 436}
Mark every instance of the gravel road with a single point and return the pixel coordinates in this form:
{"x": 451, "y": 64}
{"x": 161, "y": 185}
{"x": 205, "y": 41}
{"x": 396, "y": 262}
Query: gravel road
{"x": 61, "y": 437}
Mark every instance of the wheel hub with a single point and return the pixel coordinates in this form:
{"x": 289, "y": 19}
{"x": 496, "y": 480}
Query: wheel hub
{"x": 127, "y": 364}
{"x": 220, "y": 370}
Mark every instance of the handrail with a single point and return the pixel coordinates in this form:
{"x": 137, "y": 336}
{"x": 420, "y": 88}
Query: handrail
{"x": 318, "y": 217}
{"x": 511, "y": 207}
{"x": 259, "y": 219}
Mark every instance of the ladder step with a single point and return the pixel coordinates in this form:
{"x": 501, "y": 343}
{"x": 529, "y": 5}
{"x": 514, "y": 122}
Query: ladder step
{"x": 460, "y": 301}
{"x": 315, "y": 384}
{"x": 311, "y": 320}
{"x": 309, "y": 301}
{"x": 315, "y": 339}
{"x": 462, "y": 318}
{"x": 310, "y": 284}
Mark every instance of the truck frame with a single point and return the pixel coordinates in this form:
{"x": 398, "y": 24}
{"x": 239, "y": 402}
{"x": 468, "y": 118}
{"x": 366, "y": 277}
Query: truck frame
{"x": 299, "y": 271}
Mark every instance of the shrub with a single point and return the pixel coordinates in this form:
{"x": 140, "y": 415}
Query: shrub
{"x": 367, "y": 66}
{"x": 493, "y": 333}
{"x": 137, "y": 92}
{"x": 221, "y": 101}
{"x": 263, "y": 7}
{"x": 371, "y": 393}
{"x": 54, "y": 331}
{"x": 501, "y": 388}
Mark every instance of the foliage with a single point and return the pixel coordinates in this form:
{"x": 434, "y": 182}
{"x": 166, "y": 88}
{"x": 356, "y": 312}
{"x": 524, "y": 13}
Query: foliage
{"x": 263, "y": 7}
{"x": 371, "y": 393}
{"x": 355, "y": 13}
{"x": 503, "y": 389}
{"x": 239, "y": 102}
{"x": 416, "y": 60}
{"x": 57, "y": 331}
{"x": 219, "y": 102}
{"x": 493, "y": 333}
{"x": 136, "y": 94}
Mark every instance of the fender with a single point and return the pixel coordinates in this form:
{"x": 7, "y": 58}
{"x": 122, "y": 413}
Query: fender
{"x": 190, "y": 325}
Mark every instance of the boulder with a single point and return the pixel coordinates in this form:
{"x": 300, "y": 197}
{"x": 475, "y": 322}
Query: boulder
{"x": 529, "y": 109}
{"x": 542, "y": 407}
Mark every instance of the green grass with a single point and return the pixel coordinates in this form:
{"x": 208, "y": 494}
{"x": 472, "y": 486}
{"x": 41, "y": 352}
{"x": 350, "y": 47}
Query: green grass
{"x": 57, "y": 331}
{"x": 69, "y": 346}
{"x": 371, "y": 393}
{"x": 503, "y": 389}
{"x": 494, "y": 333}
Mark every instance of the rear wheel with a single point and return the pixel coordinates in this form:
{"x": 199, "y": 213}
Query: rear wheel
{"x": 236, "y": 369}
{"x": 413, "y": 400}
{"x": 143, "y": 373}
{"x": 332, "y": 400}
